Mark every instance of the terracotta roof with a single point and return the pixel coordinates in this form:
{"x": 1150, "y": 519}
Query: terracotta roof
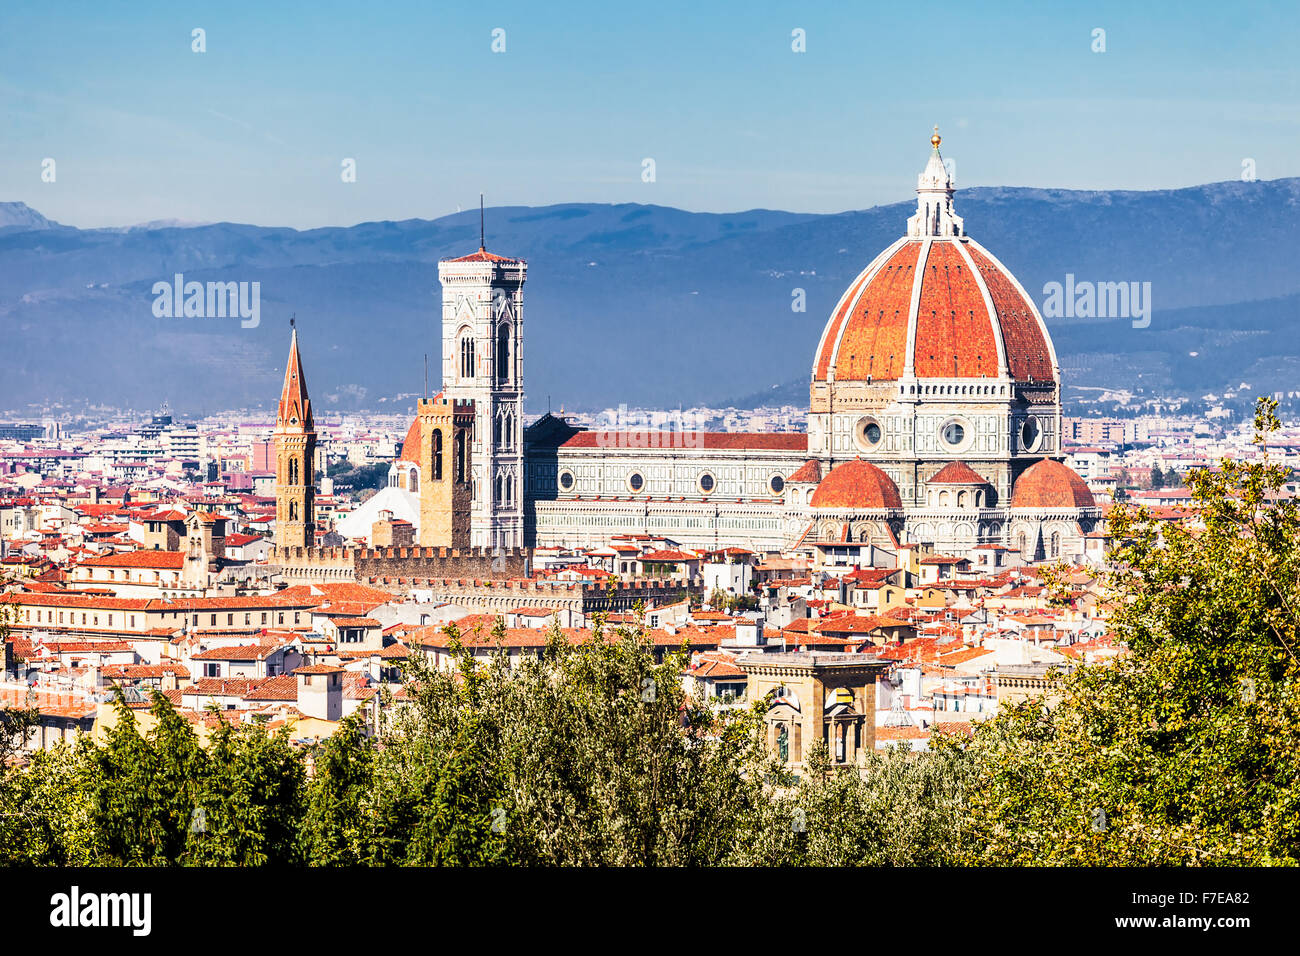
{"x": 856, "y": 484}
{"x": 165, "y": 560}
{"x": 669, "y": 556}
{"x": 482, "y": 256}
{"x": 222, "y": 686}
{"x": 955, "y": 333}
{"x": 810, "y": 470}
{"x": 241, "y": 652}
{"x": 281, "y": 687}
{"x": 1050, "y": 484}
{"x": 1028, "y": 353}
{"x": 957, "y": 473}
{"x": 318, "y": 669}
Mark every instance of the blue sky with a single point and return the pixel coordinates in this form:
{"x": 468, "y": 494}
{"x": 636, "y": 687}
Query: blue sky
{"x": 256, "y": 128}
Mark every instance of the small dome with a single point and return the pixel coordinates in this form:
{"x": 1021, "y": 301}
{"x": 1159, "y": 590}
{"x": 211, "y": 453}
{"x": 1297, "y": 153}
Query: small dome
{"x": 958, "y": 473}
{"x": 856, "y": 485}
{"x": 810, "y": 471}
{"x": 1050, "y": 484}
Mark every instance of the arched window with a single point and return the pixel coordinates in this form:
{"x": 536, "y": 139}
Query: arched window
{"x": 293, "y": 511}
{"x": 1022, "y": 543}
{"x": 293, "y": 471}
{"x": 461, "y": 470}
{"x": 466, "y": 355}
{"x": 437, "y": 454}
{"x": 496, "y": 430}
{"x": 1056, "y": 544}
{"x": 503, "y": 354}
{"x": 414, "y": 481}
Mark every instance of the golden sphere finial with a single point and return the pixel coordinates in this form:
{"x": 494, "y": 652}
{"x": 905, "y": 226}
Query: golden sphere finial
{"x": 935, "y": 140}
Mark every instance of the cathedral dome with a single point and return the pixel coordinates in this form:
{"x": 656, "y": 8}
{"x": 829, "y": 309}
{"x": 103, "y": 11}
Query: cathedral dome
{"x": 935, "y": 304}
{"x": 1050, "y": 484}
{"x": 856, "y": 485}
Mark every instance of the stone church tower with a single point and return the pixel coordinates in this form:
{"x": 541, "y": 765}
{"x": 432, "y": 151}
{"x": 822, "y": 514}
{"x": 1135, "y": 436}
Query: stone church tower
{"x": 482, "y": 362}
{"x": 295, "y": 454}
{"x": 445, "y": 428}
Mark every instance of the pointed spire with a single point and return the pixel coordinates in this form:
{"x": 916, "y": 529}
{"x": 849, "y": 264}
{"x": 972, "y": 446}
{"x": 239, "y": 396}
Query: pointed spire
{"x": 934, "y": 189}
{"x": 482, "y": 235}
{"x": 295, "y": 406}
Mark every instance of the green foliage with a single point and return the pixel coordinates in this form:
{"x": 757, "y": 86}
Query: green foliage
{"x": 585, "y": 754}
{"x": 1187, "y": 751}
{"x": 46, "y": 809}
{"x": 337, "y": 828}
{"x": 900, "y": 809}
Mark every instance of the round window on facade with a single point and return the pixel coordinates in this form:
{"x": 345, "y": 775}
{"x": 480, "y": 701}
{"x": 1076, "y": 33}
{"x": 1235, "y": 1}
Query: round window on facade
{"x": 1031, "y": 435}
{"x": 707, "y": 483}
{"x": 953, "y": 433}
{"x": 867, "y": 433}
{"x": 566, "y": 480}
{"x": 635, "y": 481}
{"x": 777, "y": 484}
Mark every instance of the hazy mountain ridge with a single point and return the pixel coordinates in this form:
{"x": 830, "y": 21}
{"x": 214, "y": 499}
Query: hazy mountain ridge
{"x": 625, "y": 303}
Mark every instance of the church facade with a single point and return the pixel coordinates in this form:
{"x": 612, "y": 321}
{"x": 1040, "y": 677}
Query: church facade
{"x": 934, "y": 417}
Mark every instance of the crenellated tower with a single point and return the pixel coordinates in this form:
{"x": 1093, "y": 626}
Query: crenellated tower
{"x": 295, "y": 454}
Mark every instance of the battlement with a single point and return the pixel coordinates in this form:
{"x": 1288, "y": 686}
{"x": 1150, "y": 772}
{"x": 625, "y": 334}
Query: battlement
{"x": 402, "y": 564}
{"x": 433, "y": 406}
{"x": 529, "y": 585}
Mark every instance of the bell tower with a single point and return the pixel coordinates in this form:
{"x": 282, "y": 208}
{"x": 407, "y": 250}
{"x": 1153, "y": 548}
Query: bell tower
{"x": 295, "y": 454}
{"x": 482, "y": 363}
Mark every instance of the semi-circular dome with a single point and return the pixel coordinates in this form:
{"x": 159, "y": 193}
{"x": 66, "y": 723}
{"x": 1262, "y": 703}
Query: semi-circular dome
{"x": 935, "y": 304}
{"x": 1050, "y": 484}
{"x": 957, "y": 473}
{"x": 856, "y": 485}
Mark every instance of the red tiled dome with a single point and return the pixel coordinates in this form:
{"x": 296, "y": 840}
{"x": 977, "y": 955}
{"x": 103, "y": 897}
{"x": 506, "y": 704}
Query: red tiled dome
{"x": 969, "y": 318}
{"x": 1050, "y": 484}
{"x": 810, "y": 470}
{"x": 958, "y": 473}
{"x": 857, "y": 485}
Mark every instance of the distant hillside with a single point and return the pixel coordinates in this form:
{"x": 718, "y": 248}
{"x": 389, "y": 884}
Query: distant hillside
{"x": 626, "y": 303}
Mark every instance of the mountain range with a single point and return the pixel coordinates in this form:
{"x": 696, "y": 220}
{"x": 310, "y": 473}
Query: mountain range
{"x": 630, "y": 303}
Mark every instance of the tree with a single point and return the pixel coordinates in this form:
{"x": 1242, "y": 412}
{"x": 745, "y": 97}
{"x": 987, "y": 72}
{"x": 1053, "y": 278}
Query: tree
{"x": 588, "y": 753}
{"x": 900, "y": 809}
{"x": 1188, "y": 750}
{"x": 338, "y": 827}
{"x": 160, "y": 799}
{"x": 1157, "y": 476}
